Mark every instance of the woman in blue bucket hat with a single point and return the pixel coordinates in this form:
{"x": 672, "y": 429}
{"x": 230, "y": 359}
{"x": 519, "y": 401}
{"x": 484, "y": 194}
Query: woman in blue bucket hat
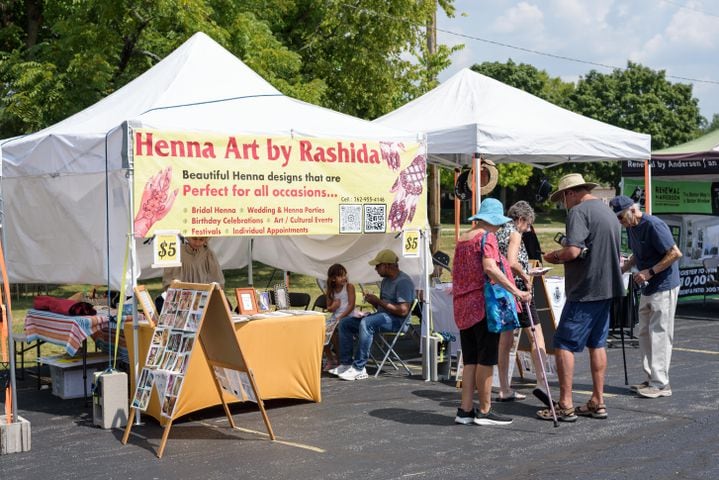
{"x": 473, "y": 258}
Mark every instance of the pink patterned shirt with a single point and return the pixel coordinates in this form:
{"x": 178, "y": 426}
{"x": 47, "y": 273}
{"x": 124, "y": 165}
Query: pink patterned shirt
{"x": 468, "y": 277}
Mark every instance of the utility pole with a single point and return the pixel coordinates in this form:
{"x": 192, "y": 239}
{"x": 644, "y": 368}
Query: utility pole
{"x": 433, "y": 185}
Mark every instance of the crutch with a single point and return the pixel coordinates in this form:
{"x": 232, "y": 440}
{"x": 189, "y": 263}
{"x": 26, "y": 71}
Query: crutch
{"x": 541, "y": 363}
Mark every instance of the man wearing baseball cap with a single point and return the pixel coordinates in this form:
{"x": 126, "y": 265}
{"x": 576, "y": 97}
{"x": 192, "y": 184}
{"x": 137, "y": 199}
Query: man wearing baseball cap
{"x": 655, "y": 255}
{"x": 592, "y": 279}
{"x": 393, "y": 304}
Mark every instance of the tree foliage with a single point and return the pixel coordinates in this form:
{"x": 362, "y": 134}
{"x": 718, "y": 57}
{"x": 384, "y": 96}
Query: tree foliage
{"x": 640, "y": 99}
{"x": 363, "y": 58}
{"x": 713, "y": 125}
{"x": 637, "y": 99}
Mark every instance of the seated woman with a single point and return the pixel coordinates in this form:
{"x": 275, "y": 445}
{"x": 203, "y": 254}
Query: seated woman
{"x": 199, "y": 265}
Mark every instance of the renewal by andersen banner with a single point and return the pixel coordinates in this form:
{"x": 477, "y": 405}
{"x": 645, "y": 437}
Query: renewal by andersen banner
{"x": 226, "y": 185}
{"x": 667, "y": 168}
{"x": 676, "y": 197}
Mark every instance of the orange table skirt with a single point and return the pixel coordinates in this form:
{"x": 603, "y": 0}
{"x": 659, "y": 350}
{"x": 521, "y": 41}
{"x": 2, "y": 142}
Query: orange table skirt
{"x": 285, "y": 354}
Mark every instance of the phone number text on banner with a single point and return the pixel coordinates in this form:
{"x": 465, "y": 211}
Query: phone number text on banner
{"x": 214, "y": 185}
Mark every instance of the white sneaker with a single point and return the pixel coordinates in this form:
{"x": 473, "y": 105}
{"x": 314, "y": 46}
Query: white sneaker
{"x": 338, "y": 370}
{"x": 353, "y": 374}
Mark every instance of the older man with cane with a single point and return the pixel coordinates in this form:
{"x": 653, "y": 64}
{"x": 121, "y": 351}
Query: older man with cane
{"x": 654, "y": 263}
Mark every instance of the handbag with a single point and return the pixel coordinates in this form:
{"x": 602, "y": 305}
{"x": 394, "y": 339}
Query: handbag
{"x": 499, "y": 304}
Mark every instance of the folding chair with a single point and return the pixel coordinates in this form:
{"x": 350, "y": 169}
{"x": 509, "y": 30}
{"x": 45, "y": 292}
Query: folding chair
{"x": 299, "y": 299}
{"x": 387, "y": 347}
{"x": 321, "y": 303}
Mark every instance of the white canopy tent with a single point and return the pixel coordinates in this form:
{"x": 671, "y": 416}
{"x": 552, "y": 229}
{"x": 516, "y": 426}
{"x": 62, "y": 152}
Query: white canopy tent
{"x": 66, "y": 192}
{"x": 473, "y": 114}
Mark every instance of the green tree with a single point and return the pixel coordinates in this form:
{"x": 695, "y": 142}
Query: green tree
{"x": 363, "y": 58}
{"x": 371, "y": 53}
{"x": 538, "y": 83}
{"x": 68, "y": 55}
{"x": 713, "y": 125}
{"x": 642, "y": 100}
{"x": 529, "y": 79}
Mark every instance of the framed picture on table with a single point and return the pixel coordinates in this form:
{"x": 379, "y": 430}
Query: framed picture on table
{"x": 246, "y": 301}
{"x": 147, "y": 304}
{"x": 281, "y": 298}
{"x": 263, "y": 303}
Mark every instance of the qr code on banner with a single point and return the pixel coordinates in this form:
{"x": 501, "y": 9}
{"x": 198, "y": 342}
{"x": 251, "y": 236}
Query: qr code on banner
{"x": 350, "y": 218}
{"x": 375, "y": 218}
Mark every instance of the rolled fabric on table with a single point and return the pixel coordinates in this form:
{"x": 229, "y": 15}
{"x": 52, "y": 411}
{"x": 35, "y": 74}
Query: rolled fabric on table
{"x": 63, "y": 306}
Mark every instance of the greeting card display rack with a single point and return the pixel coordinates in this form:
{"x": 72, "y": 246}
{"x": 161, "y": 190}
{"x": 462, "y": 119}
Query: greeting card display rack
{"x": 193, "y": 313}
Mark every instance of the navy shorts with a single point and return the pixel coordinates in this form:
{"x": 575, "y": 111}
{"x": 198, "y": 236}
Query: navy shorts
{"x": 583, "y": 324}
{"x": 479, "y": 345}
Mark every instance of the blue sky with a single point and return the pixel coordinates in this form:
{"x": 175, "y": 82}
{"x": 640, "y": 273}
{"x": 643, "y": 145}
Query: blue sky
{"x": 680, "y": 37}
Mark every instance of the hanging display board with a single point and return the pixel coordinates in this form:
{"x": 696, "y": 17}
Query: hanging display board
{"x": 206, "y": 184}
{"x": 194, "y": 321}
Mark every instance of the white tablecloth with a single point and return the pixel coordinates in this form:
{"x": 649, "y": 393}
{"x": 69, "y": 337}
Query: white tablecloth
{"x": 443, "y": 313}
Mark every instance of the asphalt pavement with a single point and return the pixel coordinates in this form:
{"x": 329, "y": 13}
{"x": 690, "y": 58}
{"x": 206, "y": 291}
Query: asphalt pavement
{"x": 398, "y": 427}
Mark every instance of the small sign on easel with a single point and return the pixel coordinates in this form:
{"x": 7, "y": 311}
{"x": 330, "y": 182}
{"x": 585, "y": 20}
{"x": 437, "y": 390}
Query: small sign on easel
{"x": 192, "y": 314}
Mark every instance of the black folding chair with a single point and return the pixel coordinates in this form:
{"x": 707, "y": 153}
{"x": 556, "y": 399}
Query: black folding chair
{"x": 299, "y": 299}
{"x": 387, "y": 346}
{"x": 321, "y": 303}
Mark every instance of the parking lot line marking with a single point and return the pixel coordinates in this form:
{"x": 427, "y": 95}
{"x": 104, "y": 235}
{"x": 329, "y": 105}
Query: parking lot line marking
{"x": 587, "y": 392}
{"x": 265, "y": 434}
{"x": 693, "y": 350}
{"x": 283, "y": 442}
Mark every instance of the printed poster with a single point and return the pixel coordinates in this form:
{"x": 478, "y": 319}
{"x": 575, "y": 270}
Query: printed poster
{"x": 230, "y": 185}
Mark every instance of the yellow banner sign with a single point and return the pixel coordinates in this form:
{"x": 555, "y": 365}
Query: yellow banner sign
{"x": 214, "y": 185}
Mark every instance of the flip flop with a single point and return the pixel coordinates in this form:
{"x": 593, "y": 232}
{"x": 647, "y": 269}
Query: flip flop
{"x": 515, "y": 396}
{"x": 541, "y": 396}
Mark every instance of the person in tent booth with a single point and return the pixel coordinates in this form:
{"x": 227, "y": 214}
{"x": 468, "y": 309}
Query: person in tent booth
{"x": 393, "y": 304}
{"x": 199, "y": 265}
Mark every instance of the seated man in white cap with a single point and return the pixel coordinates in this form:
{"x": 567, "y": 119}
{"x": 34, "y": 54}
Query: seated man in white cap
{"x": 395, "y": 299}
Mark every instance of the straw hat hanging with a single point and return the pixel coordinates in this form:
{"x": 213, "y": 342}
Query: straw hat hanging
{"x": 489, "y": 177}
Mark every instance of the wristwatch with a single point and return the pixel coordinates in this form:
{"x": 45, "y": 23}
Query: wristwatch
{"x": 652, "y": 272}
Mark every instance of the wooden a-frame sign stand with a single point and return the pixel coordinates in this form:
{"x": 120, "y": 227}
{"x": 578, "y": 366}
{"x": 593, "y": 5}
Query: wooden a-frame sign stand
{"x": 191, "y": 313}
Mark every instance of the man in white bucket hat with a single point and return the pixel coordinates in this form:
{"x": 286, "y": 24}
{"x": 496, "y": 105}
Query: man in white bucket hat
{"x": 593, "y": 278}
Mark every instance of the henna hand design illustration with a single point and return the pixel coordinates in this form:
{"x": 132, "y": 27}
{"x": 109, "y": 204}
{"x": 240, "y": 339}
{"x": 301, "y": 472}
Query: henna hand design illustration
{"x": 407, "y": 189}
{"x": 156, "y": 201}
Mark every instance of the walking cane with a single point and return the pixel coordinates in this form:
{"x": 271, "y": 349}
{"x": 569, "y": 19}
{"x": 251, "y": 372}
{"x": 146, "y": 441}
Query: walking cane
{"x": 631, "y": 300}
{"x": 630, "y": 312}
{"x": 541, "y": 364}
